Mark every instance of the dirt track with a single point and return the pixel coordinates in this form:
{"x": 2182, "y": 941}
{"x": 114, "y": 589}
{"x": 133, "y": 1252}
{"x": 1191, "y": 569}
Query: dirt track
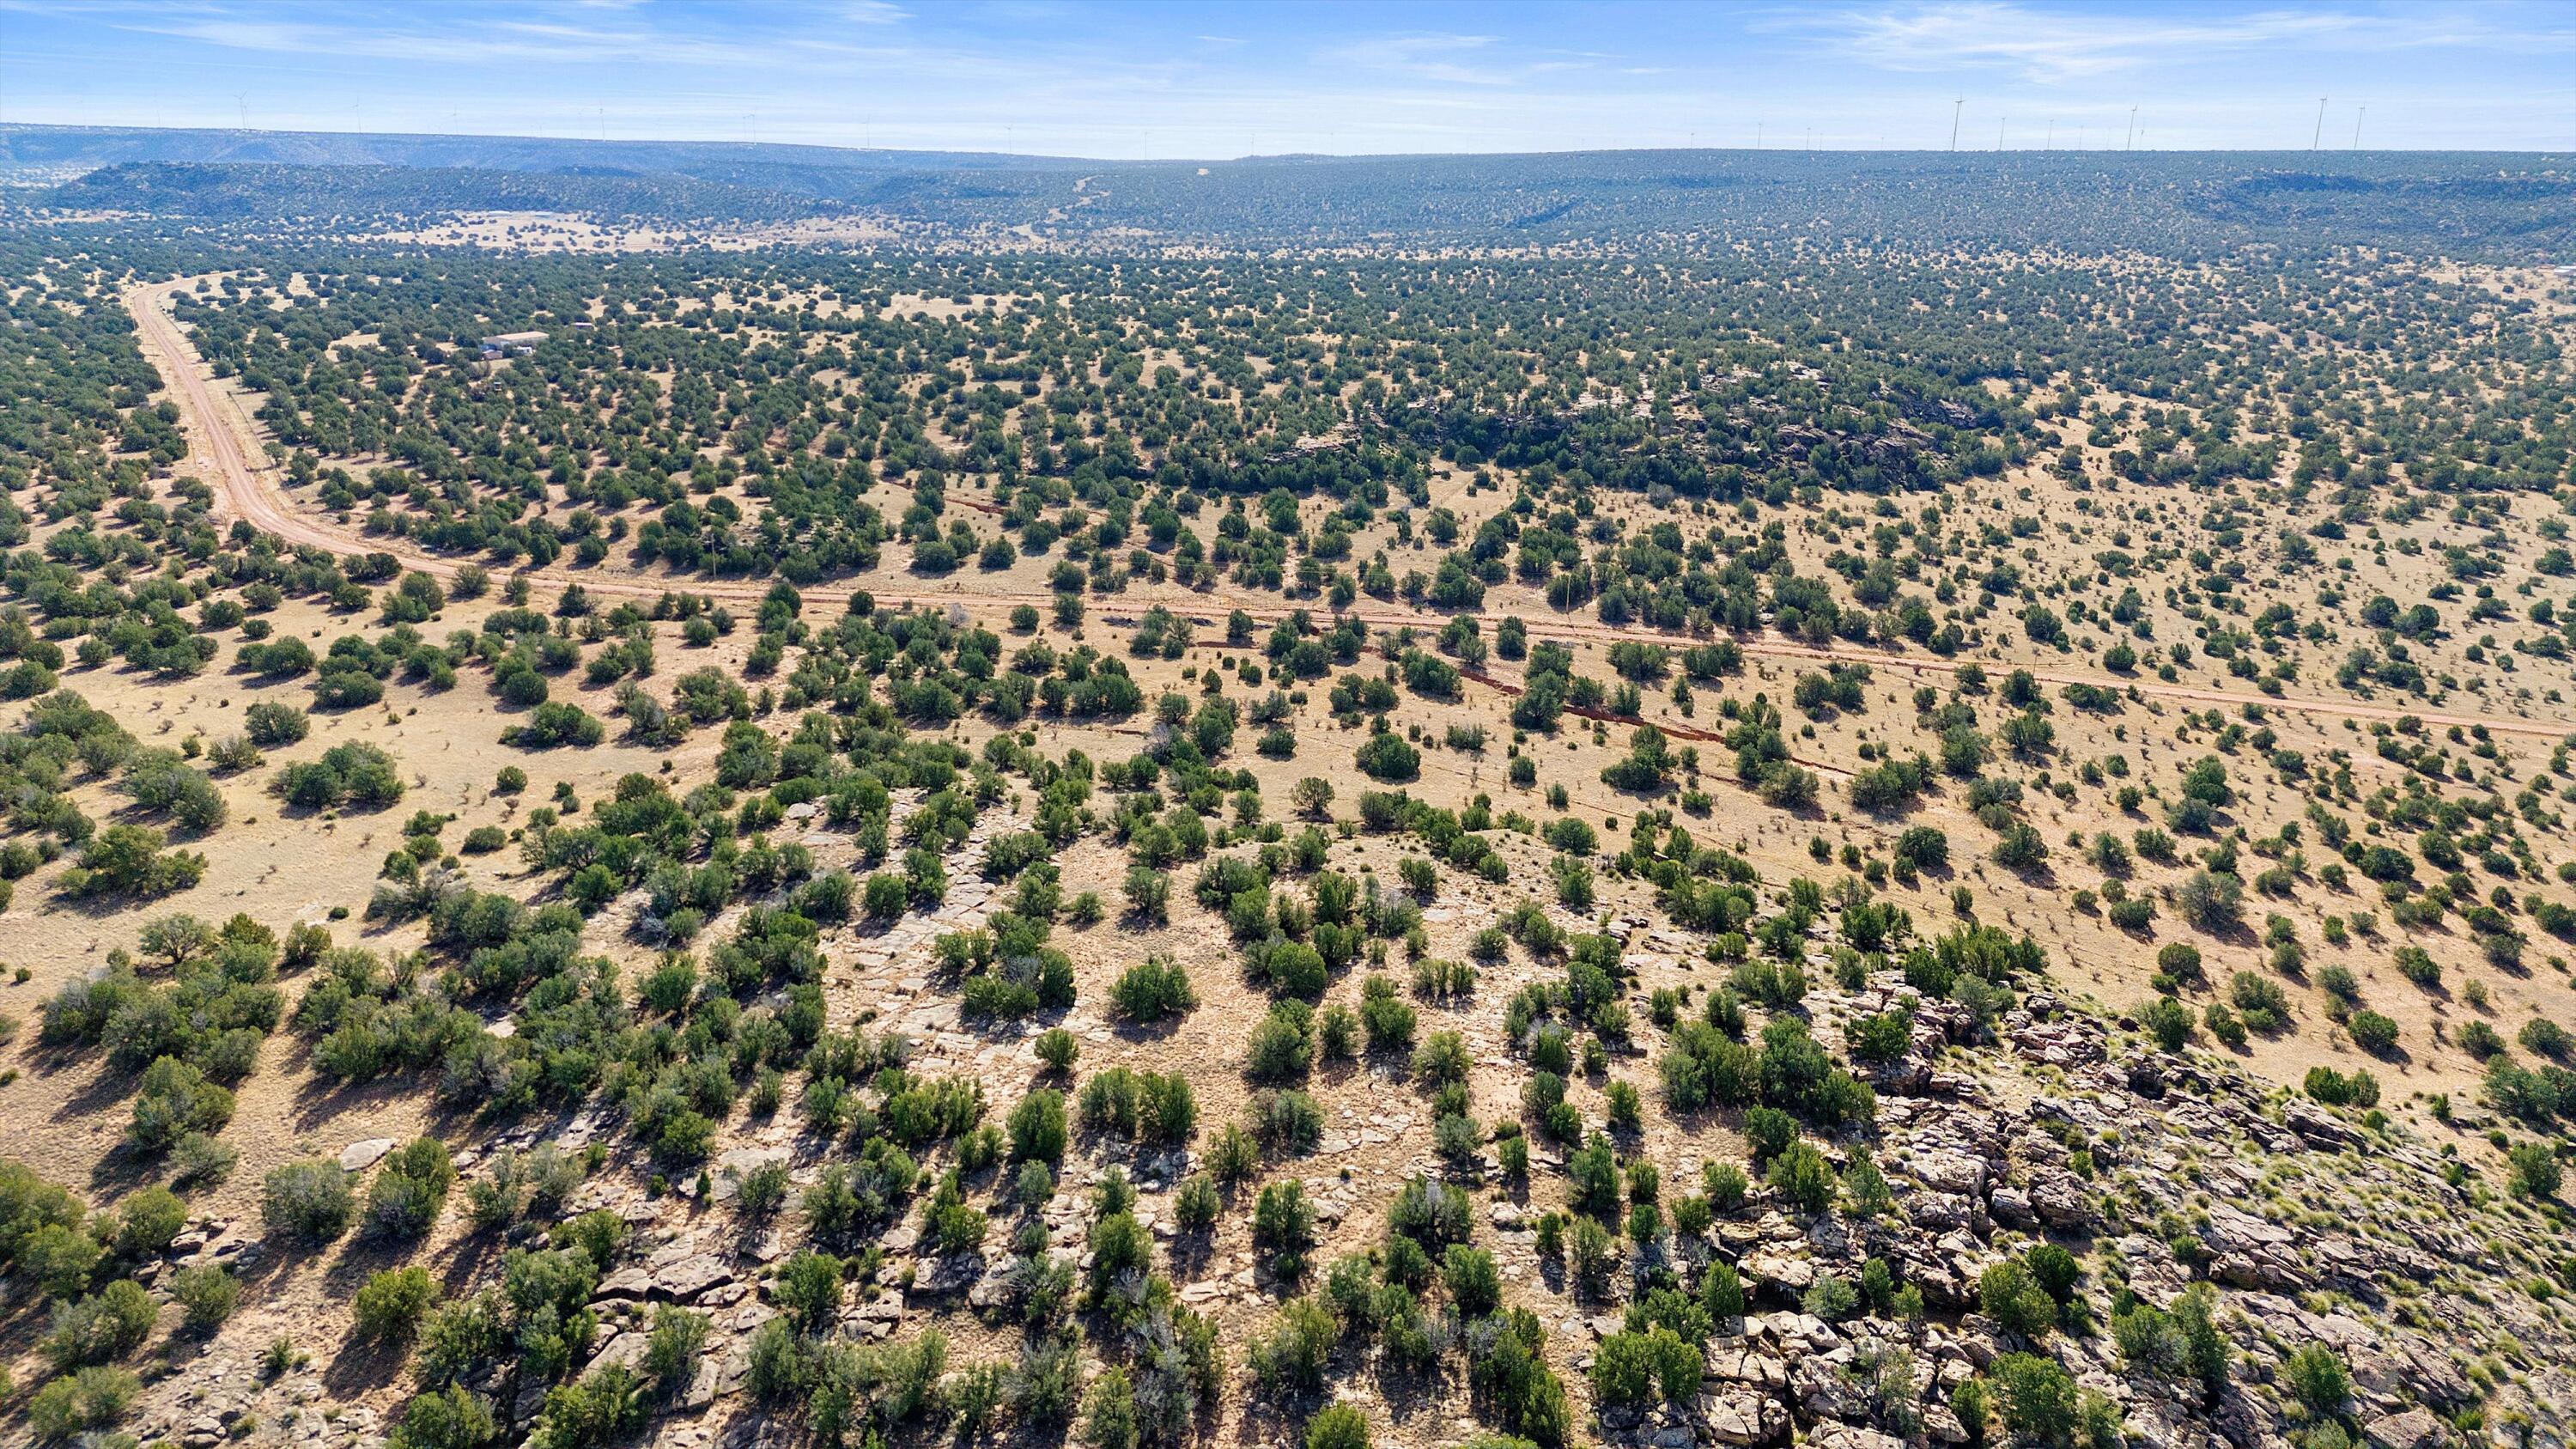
{"x": 247, "y": 489}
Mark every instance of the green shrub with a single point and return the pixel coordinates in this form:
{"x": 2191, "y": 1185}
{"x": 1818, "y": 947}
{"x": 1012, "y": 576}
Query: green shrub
{"x": 1109, "y": 1411}
{"x": 1038, "y": 1128}
{"x": 678, "y": 1337}
{"x": 1282, "y": 1045}
{"x": 1973, "y": 1403}
{"x": 391, "y": 1304}
{"x": 2206, "y": 1351}
{"x": 605, "y": 1407}
{"x": 1153, "y": 989}
{"x": 2260, "y": 1001}
{"x": 128, "y": 860}
{"x": 89, "y": 1399}
{"x": 1721, "y": 1293}
{"x": 208, "y": 1294}
{"x": 307, "y": 1201}
{"x": 1802, "y": 1174}
{"x": 147, "y": 1222}
{"x": 1338, "y": 1426}
{"x": 1726, "y": 1185}
{"x": 109, "y": 1324}
{"x": 272, "y": 724}
{"x": 1635, "y": 1370}
{"x": 409, "y": 1190}
{"x": 1832, "y": 1297}
{"x": 1388, "y": 759}
{"x": 2372, "y": 1032}
{"x": 759, "y": 1192}
{"x": 1292, "y": 1356}
{"x": 2037, "y": 1397}
{"x": 2533, "y": 1171}
{"x": 2168, "y": 1021}
{"x": 176, "y": 1100}
{"x": 1442, "y": 1058}
{"x": 809, "y": 1288}
{"x": 351, "y": 774}
{"x": 451, "y": 1418}
{"x": 1057, "y": 1048}
{"x": 1196, "y": 1205}
{"x": 58, "y": 1256}
{"x": 2318, "y": 1379}
{"x": 1283, "y": 1222}
{"x": 2010, "y": 1295}
{"x": 1389, "y": 1021}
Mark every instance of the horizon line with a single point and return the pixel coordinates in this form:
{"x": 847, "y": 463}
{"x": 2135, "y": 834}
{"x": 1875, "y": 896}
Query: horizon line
{"x": 1134, "y": 161}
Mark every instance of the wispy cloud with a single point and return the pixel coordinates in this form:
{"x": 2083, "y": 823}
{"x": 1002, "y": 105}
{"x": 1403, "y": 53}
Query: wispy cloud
{"x": 566, "y": 41}
{"x": 1441, "y": 58}
{"x": 2057, "y": 46}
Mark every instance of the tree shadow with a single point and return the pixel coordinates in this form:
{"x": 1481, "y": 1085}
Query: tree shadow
{"x": 319, "y": 1101}
{"x": 1136, "y": 1033}
{"x": 112, "y": 1085}
{"x": 1191, "y": 1252}
{"x": 124, "y": 1168}
{"x": 1410, "y": 1393}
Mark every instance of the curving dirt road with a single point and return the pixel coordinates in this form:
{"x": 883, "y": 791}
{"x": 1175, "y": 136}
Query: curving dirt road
{"x": 248, "y": 488}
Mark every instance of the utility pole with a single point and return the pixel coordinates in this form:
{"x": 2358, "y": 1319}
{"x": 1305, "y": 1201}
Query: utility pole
{"x": 1955, "y": 107}
{"x": 2320, "y": 133}
{"x": 2132, "y": 143}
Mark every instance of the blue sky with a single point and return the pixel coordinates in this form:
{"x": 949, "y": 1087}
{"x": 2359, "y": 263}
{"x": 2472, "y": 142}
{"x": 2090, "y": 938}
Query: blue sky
{"x": 1171, "y": 80}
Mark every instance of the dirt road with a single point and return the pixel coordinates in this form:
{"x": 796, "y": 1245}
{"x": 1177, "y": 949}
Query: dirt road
{"x": 220, "y": 431}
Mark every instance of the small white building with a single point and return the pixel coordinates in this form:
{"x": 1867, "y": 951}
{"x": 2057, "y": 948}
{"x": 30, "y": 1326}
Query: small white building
{"x": 511, "y": 344}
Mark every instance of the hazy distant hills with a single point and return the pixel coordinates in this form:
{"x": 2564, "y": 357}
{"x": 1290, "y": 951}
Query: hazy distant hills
{"x": 2519, "y": 206}
{"x": 59, "y": 152}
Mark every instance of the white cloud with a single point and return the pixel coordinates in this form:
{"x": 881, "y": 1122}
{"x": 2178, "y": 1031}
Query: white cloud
{"x": 2057, "y": 46}
{"x": 497, "y": 41}
{"x": 1424, "y": 57}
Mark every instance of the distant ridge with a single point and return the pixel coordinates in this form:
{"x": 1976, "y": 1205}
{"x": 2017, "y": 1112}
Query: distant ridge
{"x": 58, "y": 152}
{"x": 2494, "y": 206}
